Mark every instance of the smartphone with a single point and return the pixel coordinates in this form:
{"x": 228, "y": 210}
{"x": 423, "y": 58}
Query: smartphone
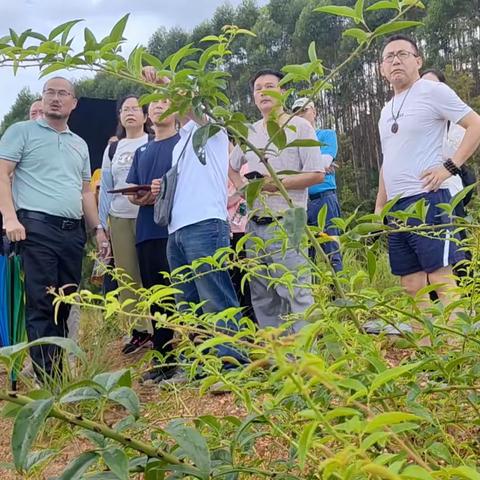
{"x": 253, "y": 175}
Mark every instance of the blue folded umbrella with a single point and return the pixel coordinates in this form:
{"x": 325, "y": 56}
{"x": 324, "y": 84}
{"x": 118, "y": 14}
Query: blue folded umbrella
{"x": 4, "y": 303}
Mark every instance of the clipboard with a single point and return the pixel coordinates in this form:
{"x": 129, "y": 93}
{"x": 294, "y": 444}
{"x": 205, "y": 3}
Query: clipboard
{"x": 132, "y": 190}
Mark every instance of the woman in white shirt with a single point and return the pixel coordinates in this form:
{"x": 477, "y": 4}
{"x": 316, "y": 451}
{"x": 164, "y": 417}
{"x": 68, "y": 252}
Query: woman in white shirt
{"x": 117, "y": 214}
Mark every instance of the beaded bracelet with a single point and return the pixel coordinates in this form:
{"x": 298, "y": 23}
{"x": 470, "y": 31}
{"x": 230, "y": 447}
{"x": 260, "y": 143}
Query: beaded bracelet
{"x": 451, "y": 167}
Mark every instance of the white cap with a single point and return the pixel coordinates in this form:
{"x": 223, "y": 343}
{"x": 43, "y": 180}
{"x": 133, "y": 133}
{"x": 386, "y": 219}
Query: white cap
{"x": 302, "y": 102}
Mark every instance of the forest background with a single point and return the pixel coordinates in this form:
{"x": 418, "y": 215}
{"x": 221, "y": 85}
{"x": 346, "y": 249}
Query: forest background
{"x": 449, "y": 40}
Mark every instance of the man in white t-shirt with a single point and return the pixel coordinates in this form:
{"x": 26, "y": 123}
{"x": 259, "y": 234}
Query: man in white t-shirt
{"x": 273, "y": 302}
{"x": 412, "y": 126}
{"x": 198, "y": 224}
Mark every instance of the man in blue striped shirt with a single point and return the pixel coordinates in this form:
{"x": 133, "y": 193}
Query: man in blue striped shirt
{"x": 324, "y": 193}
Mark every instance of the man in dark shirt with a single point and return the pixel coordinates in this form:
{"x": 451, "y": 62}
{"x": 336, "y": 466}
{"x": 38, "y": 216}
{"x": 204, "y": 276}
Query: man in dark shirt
{"x": 151, "y": 161}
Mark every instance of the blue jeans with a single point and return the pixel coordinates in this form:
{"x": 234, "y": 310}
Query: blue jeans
{"x": 190, "y": 243}
{"x": 332, "y": 249}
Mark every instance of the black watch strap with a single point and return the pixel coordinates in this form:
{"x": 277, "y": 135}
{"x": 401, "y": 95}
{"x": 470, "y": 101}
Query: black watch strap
{"x": 451, "y": 167}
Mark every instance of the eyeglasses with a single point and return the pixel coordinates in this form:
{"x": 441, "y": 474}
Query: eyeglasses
{"x": 130, "y": 109}
{"x": 51, "y": 93}
{"x": 401, "y": 55}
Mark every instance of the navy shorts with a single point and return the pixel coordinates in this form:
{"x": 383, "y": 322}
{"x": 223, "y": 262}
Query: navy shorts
{"x": 413, "y": 252}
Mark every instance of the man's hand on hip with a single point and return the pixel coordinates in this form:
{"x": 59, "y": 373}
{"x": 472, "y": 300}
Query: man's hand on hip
{"x": 434, "y": 177}
{"x": 15, "y": 230}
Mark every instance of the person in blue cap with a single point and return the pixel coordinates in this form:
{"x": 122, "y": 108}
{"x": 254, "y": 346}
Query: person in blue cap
{"x": 324, "y": 193}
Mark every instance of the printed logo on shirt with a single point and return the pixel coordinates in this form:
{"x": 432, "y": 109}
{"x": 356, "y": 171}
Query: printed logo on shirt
{"x": 124, "y": 159}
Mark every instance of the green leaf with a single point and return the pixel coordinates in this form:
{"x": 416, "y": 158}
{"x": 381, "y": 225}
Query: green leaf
{"x": 277, "y": 134}
{"x": 13, "y": 36}
{"x": 35, "y": 458}
{"x": 365, "y": 228}
{"x": 304, "y": 442}
{"x": 382, "y": 5}
{"x": 415, "y": 472}
{"x": 417, "y": 3}
{"x": 178, "y": 56}
{"x": 117, "y": 462}
{"x": 66, "y": 343}
{"x": 127, "y": 398}
{"x": 359, "y": 10}
{"x": 391, "y": 374}
{"x": 116, "y": 35}
{"x": 28, "y": 422}
{"x": 312, "y": 53}
{"x": 97, "y": 439}
{"x": 394, "y": 27}
{"x": 360, "y": 35}
{"x": 10, "y": 410}
{"x": 192, "y": 443}
{"x": 200, "y": 139}
{"x": 464, "y": 472}
{"x": 440, "y": 450}
{"x": 461, "y": 195}
{"x": 210, "y": 343}
{"x": 80, "y": 394}
{"x": 36, "y": 35}
{"x": 389, "y": 205}
{"x": 134, "y": 61}
{"x": 152, "y": 60}
{"x": 373, "y": 438}
{"x": 379, "y": 471}
{"x": 90, "y": 40}
{"x": 294, "y": 222}
{"x": 64, "y": 27}
{"x": 79, "y": 466}
{"x": 342, "y": 412}
{"x": 252, "y": 191}
{"x": 51, "y": 68}
{"x": 322, "y": 217}
{"x": 210, "y": 38}
{"x": 111, "y": 380}
{"x": 387, "y": 419}
{"x": 307, "y": 142}
{"x": 337, "y": 10}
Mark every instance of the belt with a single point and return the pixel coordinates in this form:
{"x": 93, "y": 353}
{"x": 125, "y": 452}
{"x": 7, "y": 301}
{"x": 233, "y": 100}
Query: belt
{"x": 314, "y": 196}
{"x": 264, "y": 220}
{"x": 60, "y": 222}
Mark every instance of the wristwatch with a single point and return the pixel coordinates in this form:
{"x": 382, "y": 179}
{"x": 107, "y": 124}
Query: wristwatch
{"x": 98, "y": 227}
{"x": 451, "y": 167}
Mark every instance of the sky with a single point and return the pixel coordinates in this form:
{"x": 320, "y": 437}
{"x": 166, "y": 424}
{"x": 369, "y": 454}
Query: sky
{"x": 146, "y": 16}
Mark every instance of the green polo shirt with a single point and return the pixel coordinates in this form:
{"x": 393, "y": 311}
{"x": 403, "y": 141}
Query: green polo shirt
{"x": 51, "y": 167}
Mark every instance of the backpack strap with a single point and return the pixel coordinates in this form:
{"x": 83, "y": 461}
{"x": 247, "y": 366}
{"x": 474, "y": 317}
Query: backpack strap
{"x": 112, "y": 149}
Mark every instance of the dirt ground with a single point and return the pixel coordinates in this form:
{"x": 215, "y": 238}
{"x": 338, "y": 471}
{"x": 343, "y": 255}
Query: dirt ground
{"x": 186, "y": 403}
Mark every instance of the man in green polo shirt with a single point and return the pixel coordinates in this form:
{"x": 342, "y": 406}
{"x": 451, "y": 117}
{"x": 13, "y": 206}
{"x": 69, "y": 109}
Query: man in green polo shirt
{"x": 42, "y": 207}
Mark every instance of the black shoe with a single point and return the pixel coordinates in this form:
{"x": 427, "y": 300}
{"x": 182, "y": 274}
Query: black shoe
{"x": 138, "y": 341}
{"x": 158, "y": 374}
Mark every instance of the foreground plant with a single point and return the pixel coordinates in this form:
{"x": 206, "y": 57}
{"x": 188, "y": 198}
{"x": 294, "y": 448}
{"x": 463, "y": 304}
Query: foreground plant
{"x": 331, "y": 400}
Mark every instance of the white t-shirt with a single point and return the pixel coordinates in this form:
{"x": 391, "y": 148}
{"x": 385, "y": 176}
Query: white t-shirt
{"x": 201, "y": 192}
{"x": 118, "y": 168}
{"x": 418, "y": 144}
{"x": 298, "y": 159}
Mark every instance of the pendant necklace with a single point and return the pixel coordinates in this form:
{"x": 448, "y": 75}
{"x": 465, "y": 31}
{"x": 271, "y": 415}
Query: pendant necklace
{"x": 394, "y": 128}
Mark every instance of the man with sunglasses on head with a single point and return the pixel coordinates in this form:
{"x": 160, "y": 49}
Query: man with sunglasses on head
{"x": 412, "y": 126}
{"x": 43, "y": 210}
